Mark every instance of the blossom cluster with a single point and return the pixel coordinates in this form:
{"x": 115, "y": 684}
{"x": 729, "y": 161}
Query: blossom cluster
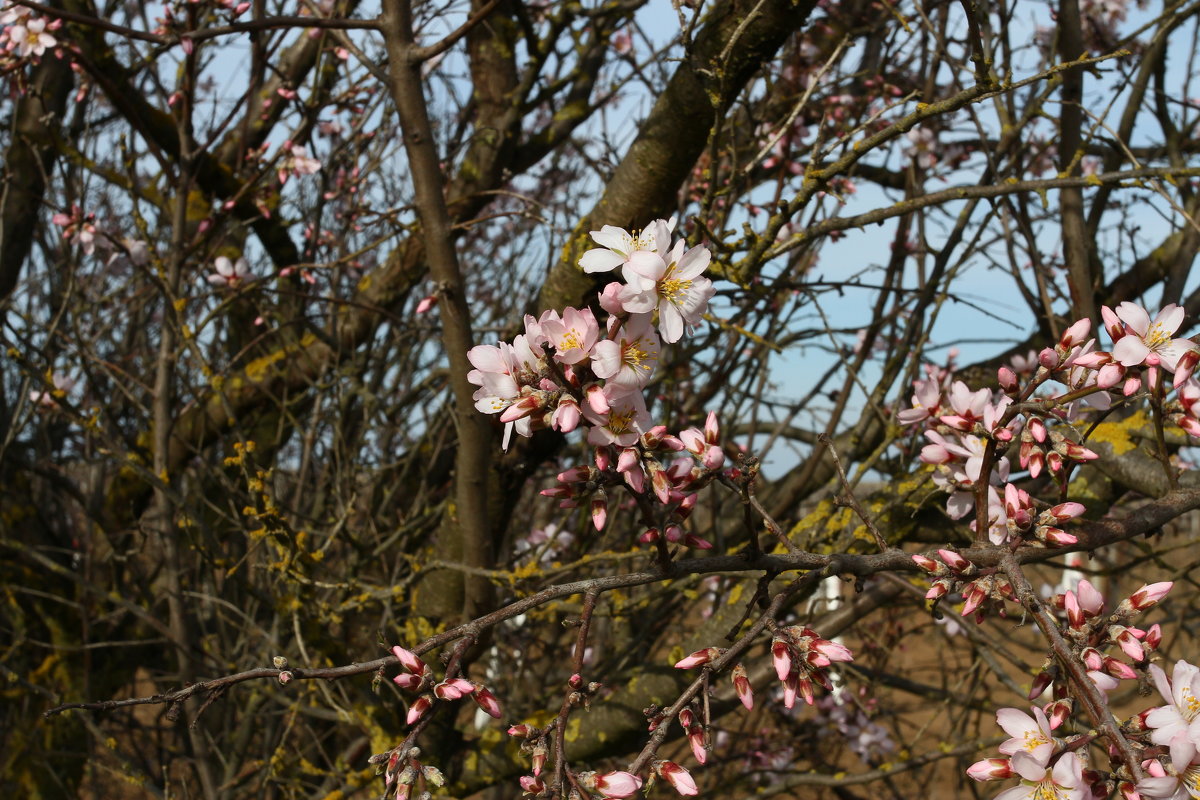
{"x": 417, "y": 677}
{"x": 1049, "y": 767}
{"x": 561, "y": 372}
{"x": 1031, "y": 415}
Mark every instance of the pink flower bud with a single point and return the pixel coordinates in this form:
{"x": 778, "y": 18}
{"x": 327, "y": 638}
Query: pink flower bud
{"x": 1076, "y": 334}
{"x": 418, "y": 709}
{"x": 406, "y": 680}
{"x": 1074, "y": 613}
{"x": 1149, "y": 595}
{"x": 1048, "y": 358}
{"x": 990, "y": 769}
{"x": 679, "y": 778}
{"x": 409, "y": 660}
{"x": 781, "y": 655}
{"x": 596, "y": 399}
{"x": 1091, "y": 658}
{"x": 453, "y": 689}
{"x": 1056, "y": 537}
{"x": 1041, "y": 683}
{"x": 487, "y": 701}
{"x": 1008, "y": 380}
{"x": 1065, "y": 511}
{"x": 1037, "y": 429}
{"x": 1112, "y": 323}
{"x": 649, "y": 536}
{"x": 741, "y": 685}
{"x": 599, "y": 510}
{"x": 926, "y": 563}
{"x": 938, "y": 589}
{"x": 699, "y": 657}
{"x": 532, "y": 785}
{"x": 618, "y": 784}
{"x": 953, "y": 560}
{"x": 1119, "y": 669}
{"x": 1153, "y": 637}
{"x": 1110, "y": 375}
{"x": 1090, "y": 599}
{"x": 1186, "y": 366}
{"x": 1057, "y": 712}
{"x": 520, "y": 729}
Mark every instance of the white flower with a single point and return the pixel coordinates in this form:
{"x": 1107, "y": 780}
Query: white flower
{"x": 1177, "y": 724}
{"x": 228, "y": 273}
{"x": 672, "y": 286}
{"x": 1063, "y": 782}
{"x": 618, "y": 244}
{"x": 30, "y": 37}
{"x": 1029, "y": 734}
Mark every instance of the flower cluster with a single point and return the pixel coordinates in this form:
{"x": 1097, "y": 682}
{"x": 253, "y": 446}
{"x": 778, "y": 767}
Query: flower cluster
{"x": 674, "y": 485}
{"x": 801, "y": 657}
{"x": 981, "y": 590}
{"x": 418, "y": 678}
{"x": 402, "y": 770}
{"x": 561, "y": 372}
{"x": 1048, "y": 766}
{"x": 1039, "y": 397}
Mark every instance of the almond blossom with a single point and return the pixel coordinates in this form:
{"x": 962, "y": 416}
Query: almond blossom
{"x": 297, "y": 162}
{"x": 618, "y": 244}
{"x": 1146, "y": 342}
{"x": 573, "y": 335}
{"x": 623, "y": 423}
{"x": 30, "y": 38}
{"x": 228, "y": 273}
{"x": 1064, "y": 781}
{"x": 1177, "y": 724}
{"x": 672, "y": 286}
{"x": 628, "y": 356}
{"x": 1029, "y": 734}
{"x": 1181, "y": 781}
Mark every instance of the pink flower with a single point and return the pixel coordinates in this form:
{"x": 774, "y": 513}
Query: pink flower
{"x": 624, "y": 421}
{"x": 1147, "y": 342}
{"x": 573, "y": 336}
{"x": 926, "y": 400}
{"x": 1029, "y": 734}
{"x": 298, "y": 162}
{"x": 228, "y": 273}
{"x": 628, "y": 356}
